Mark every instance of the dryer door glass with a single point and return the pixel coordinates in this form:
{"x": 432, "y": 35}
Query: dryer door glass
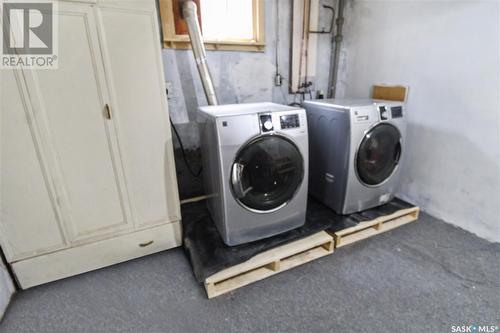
{"x": 266, "y": 173}
{"x": 378, "y": 154}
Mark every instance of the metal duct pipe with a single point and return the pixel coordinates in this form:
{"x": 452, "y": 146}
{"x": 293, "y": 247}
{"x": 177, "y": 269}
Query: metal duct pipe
{"x": 189, "y": 11}
{"x": 334, "y": 62}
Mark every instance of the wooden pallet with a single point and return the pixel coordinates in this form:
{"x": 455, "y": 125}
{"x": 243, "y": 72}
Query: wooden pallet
{"x": 374, "y": 227}
{"x": 270, "y": 263}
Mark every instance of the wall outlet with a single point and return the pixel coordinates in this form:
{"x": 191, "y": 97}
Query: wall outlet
{"x": 278, "y": 80}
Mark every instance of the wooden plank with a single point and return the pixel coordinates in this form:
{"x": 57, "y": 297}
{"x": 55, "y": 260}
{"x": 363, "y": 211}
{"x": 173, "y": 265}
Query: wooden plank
{"x": 167, "y": 19}
{"x": 195, "y": 199}
{"x": 260, "y": 21}
{"x": 390, "y": 93}
{"x": 270, "y": 263}
{"x": 245, "y": 46}
{"x": 374, "y": 227}
{"x": 380, "y": 219}
{"x": 297, "y": 44}
{"x": 272, "y": 255}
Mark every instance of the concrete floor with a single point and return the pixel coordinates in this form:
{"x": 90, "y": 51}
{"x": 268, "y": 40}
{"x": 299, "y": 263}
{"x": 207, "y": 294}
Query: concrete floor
{"x": 422, "y": 277}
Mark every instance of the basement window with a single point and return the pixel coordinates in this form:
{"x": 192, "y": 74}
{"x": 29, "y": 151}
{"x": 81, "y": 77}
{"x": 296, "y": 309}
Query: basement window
{"x": 227, "y": 25}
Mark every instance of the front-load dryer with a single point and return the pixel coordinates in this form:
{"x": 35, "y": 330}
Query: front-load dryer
{"x": 255, "y": 160}
{"x": 356, "y": 148}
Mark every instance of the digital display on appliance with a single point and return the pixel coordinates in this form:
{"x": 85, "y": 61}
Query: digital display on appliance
{"x": 397, "y": 112}
{"x": 289, "y": 121}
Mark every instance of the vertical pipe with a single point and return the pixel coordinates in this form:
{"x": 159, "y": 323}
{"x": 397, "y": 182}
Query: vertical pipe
{"x": 189, "y": 11}
{"x": 334, "y": 63}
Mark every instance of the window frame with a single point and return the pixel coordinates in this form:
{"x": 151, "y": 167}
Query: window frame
{"x": 175, "y": 41}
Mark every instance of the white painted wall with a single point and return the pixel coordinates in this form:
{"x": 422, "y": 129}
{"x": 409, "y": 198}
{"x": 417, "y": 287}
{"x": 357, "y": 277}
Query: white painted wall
{"x": 448, "y": 53}
{"x": 6, "y": 289}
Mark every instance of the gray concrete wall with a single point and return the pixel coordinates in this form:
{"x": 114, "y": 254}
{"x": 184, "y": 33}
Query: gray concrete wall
{"x": 240, "y": 77}
{"x": 448, "y": 53}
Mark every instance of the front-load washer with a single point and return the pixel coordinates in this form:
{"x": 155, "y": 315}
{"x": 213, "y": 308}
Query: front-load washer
{"x": 356, "y": 148}
{"x": 255, "y": 161}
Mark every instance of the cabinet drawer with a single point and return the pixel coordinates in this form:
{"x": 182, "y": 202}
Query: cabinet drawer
{"x": 58, "y": 265}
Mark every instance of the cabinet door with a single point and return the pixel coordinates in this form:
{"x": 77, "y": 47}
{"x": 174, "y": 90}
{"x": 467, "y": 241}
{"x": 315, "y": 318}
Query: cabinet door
{"x": 71, "y": 104}
{"x": 29, "y": 216}
{"x": 130, "y": 42}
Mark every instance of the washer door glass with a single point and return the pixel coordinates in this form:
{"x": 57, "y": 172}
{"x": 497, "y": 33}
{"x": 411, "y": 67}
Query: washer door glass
{"x": 378, "y": 154}
{"x": 267, "y": 172}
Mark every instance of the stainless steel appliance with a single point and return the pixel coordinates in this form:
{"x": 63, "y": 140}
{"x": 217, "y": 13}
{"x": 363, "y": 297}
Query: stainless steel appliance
{"x": 356, "y": 148}
{"x": 255, "y": 159}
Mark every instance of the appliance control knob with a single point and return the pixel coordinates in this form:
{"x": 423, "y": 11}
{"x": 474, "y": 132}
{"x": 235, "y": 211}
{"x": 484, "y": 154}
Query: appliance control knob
{"x": 268, "y": 125}
{"x": 384, "y": 115}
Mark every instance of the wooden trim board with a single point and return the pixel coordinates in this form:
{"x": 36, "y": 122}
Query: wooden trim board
{"x": 374, "y": 227}
{"x": 181, "y": 44}
{"x": 270, "y": 263}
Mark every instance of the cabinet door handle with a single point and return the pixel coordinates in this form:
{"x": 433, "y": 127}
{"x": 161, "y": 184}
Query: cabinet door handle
{"x": 107, "y": 111}
{"x": 146, "y": 244}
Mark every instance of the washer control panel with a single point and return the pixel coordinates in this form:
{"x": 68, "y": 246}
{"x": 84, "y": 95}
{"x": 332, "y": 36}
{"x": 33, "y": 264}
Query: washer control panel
{"x": 289, "y": 121}
{"x": 384, "y": 115}
{"x": 387, "y": 112}
{"x": 266, "y": 123}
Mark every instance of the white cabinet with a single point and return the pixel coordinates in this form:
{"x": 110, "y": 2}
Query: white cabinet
{"x": 29, "y": 219}
{"x": 71, "y": 104}
{"x": 6, "y": 289}
{"x": 145, "y": 138}
{"x": 87, "y": 170}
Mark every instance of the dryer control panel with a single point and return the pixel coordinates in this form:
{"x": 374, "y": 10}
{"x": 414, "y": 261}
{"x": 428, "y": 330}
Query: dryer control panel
{"x": 397, "y": 112}
{"x": 387, "y": 112}
{"x": 289, "y": 121}
{"x": 266, "y": 123}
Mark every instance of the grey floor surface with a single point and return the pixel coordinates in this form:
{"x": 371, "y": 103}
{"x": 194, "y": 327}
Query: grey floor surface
{"x": 422, "y": 277}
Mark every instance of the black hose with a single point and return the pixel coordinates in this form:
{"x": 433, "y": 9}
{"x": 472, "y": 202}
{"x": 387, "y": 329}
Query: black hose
{"x": 194, "y": 174}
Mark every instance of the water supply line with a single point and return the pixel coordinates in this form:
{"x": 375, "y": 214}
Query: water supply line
{"x": 190, "y": 13}
{"x": 337, "y": 40}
